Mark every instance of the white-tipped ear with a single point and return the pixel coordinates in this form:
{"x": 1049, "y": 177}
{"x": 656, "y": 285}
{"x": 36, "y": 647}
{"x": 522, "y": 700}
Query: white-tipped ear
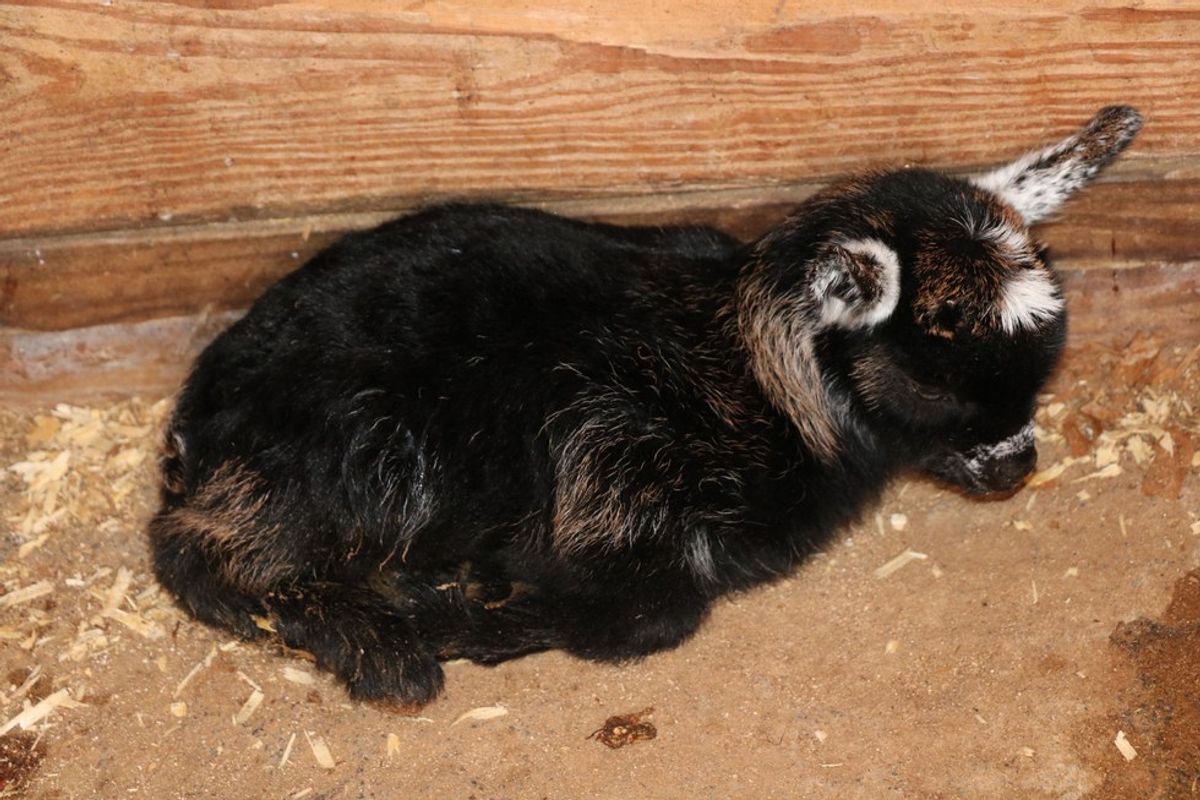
{"x": 857, "y": 283}
{"x": 1039, "y": 182}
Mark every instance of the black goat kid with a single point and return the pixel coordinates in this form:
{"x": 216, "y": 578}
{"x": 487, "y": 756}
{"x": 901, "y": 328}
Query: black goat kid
{"x": 482, "y": 431}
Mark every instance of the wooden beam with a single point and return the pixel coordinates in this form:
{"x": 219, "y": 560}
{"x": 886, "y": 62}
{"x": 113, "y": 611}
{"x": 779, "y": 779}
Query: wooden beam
{"x": 79, "y": 281}
{"x": 1106, "y": 304}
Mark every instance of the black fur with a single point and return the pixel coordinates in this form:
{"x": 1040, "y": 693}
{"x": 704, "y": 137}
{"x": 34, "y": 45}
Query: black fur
{"x": 482, "y": 431}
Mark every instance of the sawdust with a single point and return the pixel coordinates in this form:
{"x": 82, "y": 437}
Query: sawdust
{"x": 992, "y": 650}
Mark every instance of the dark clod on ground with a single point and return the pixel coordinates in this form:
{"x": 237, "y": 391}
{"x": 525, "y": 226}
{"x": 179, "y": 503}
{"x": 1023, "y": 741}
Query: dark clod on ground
{"x": 618, "y": 731}
{"x": 20, "y": 755}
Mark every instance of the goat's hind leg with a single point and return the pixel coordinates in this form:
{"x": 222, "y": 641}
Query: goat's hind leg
{"x": 187, "y": 567}
{"x": 231, "y": 552}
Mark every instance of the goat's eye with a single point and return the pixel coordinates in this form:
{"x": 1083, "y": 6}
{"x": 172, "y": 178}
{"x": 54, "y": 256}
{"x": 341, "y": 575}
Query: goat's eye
{"x": 948, "y": 316}
{"x": 932, "y": 395}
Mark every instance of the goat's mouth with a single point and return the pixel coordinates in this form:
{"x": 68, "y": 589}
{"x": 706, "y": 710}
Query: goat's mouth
{"x": 994, "y": 470}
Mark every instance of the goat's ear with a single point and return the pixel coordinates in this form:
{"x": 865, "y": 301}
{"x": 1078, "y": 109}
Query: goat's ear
{"x": 856, "y": 283}
{"x": 1039, "y": 182}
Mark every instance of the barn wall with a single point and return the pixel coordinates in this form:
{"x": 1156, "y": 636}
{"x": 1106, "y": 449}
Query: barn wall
{"x": 161, "y": 162}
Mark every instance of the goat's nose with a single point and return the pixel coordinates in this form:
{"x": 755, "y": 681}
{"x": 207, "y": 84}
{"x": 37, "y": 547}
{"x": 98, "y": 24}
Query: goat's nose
{"x": 1011, "y": 471}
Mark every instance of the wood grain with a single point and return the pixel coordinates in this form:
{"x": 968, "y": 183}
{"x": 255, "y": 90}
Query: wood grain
{"x": 150, "y": 114}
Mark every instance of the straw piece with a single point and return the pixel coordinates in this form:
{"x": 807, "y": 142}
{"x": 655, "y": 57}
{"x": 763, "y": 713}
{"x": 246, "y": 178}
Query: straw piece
{"x": 320, "y": 750}
{"x": 898, "y": 562}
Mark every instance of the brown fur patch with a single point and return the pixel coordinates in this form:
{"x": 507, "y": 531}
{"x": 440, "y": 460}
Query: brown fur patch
{"x": 224, "y": 518}
{"x": 874, "y": 376}
{"x": 589, "y": 509}
{"x": 779, "y": 342}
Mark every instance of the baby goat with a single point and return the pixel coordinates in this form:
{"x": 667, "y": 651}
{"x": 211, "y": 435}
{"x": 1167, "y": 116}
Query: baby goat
{"x": 480, "y": 431}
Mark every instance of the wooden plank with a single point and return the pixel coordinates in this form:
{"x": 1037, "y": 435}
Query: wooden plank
{"x": 72, "y": 366}
{"x": 1107, "y": 305}
{"x": 79, "y": 281}
{"x": 152, "y": 114}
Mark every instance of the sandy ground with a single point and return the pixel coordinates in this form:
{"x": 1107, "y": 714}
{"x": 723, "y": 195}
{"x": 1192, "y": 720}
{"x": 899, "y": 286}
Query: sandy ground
{"x": 998, "y": 656}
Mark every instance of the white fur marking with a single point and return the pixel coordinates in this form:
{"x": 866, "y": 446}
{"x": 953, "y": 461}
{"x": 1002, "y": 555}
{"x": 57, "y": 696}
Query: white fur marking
{"x": 700, "y": 558}
{"x": 1013, "y": 242}
{"x": 982, "y": 455}
{"x": 1027, "y": 299}
{"x": 836, "y": 311}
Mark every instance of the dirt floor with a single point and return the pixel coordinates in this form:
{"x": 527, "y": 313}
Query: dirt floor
{"x": 1043, "y": 646}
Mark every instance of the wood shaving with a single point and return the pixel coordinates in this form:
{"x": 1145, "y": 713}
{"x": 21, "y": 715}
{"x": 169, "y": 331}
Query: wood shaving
{"x": 1111, "y": 471}
{"x": 1107, "y": 453}
{"x": 116, "y": 593}
{"x": 300, "y": 676}
{"x": 1050, "y": 473}
{"x": 139, "y": 625}
{"x": 1124, "y": 746}
{"x": 481, "y": 714}
{"x": 287, "y": 752}
{"x": 27, "y": 594}
{"x": 246, "y": 679}
{"x": 320, "y": 750}
{"x": 203, "y": 665}
{"x": 28, "y": 547}
{"x": 36, "y": 713}
{"x": 32, "y": 678}
{"x": 249, "y": 707}
{"x": 393, "y": 744}
{"x": 87, "y": 643}
{"x": 179, "y": 709}
{"x": 898, "y": 562}
{"x": 1140, "y": 451}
